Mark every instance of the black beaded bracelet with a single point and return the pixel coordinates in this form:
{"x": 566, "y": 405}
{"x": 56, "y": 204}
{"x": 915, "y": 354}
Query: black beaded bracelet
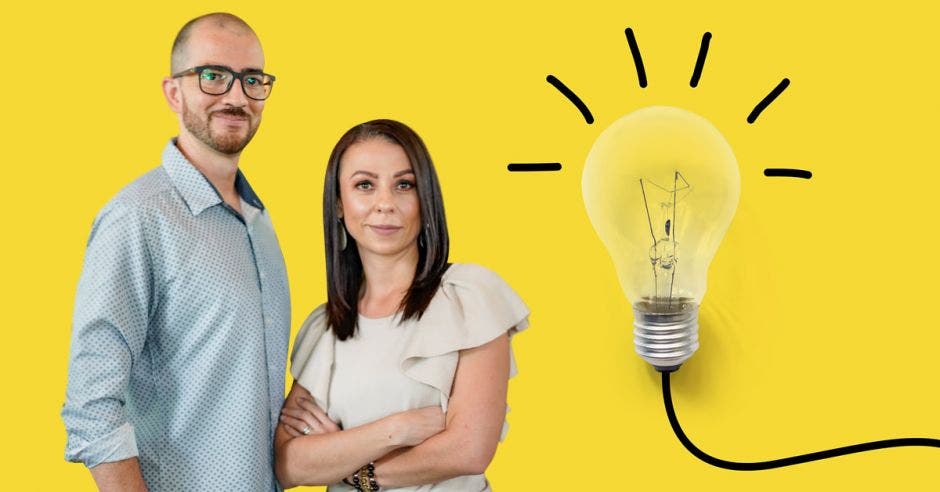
{"x": 364, "y": 479}
{"x": 370, "y": 472}
{"x": 352, "y": 484}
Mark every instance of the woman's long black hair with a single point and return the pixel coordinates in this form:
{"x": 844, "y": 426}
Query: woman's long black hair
{"x": 344, "y": 275}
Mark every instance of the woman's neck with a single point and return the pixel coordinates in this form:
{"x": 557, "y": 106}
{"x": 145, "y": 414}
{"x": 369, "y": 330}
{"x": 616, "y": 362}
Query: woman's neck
{"x": 387, "y": 280}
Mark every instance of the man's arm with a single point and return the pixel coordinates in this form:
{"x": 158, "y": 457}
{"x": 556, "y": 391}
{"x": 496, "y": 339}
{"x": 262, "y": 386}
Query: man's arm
{"x": 119, "y": 476}
{"x": 112, "y": 308}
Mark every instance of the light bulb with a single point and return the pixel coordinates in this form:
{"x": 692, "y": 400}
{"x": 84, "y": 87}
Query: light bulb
{"x": 660, "y": 186}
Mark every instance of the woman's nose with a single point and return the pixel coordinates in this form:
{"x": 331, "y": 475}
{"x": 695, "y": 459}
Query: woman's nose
{"x": 384, "y": 201}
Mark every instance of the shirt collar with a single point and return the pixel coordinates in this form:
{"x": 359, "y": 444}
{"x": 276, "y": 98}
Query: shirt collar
{"x": 196, "y": 190}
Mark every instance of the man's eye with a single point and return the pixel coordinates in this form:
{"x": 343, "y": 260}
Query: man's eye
{"x": 210, "y": 75}
{"x": 252, "y": 80}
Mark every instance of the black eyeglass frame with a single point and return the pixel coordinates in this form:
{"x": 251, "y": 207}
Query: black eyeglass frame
{"x": 235, "y": 75}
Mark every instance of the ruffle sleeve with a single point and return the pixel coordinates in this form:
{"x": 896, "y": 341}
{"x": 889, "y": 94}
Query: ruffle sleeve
{"x": 311, "y": 362}
{"x": 473, "y": 307}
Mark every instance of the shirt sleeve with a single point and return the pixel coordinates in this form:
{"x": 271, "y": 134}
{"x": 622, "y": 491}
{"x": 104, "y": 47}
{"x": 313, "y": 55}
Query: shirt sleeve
{"x": 109, "y": 325}
{"x": 473, "y": 306}
{"x": 311, "y": 362}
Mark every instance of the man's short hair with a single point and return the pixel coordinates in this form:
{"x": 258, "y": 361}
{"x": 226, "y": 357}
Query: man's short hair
{"x": 220, "y": 19}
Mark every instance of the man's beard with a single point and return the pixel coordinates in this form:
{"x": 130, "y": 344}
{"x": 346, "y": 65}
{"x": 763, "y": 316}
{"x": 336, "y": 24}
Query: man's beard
{"x": 227, "y": 143}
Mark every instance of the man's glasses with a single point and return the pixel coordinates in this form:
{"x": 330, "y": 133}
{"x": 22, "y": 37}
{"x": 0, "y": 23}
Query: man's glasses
{"x": 216, "y": 80}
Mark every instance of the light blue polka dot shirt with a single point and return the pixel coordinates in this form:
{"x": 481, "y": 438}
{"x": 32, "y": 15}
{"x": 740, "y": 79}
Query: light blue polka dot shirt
{"x": 179, "y": 336}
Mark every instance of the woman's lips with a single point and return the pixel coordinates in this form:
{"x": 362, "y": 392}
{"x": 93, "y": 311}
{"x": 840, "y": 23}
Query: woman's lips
{"x": 385, "y": 230}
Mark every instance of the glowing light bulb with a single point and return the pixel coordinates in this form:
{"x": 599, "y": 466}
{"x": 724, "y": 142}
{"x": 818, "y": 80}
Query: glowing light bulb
{"x": 660, "y": 186}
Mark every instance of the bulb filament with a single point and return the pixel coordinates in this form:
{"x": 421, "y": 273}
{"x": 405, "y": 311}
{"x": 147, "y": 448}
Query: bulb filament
{"x": 664, "y": 248}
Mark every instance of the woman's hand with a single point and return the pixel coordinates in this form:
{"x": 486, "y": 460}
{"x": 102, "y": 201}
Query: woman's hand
{"x": 412, "y": 427}
{"x": 335, "y": 453}
{"x": 301, "y": 416}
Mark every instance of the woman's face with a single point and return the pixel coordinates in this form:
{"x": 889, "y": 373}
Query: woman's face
{"x": 378, "y": 200}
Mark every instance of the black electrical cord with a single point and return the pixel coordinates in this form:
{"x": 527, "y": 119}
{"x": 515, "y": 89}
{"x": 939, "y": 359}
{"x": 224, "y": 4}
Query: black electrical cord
{"x": 778, "y": 463}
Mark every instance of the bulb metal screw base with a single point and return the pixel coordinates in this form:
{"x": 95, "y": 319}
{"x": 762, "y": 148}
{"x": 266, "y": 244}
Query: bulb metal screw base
{"x": 665, "y": 332}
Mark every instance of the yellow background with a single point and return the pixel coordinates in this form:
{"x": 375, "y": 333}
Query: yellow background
{"x": 818, "y": 328}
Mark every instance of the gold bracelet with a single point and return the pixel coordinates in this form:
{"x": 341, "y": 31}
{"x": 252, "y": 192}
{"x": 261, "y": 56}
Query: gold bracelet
{"x": 364, "y": 480}
{"x": 367, "y": 479}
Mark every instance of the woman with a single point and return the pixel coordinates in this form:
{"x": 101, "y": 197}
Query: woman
{"x": 400, "y": 378}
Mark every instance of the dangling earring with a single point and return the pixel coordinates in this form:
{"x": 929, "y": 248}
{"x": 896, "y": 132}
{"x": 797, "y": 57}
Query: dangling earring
{"x": 342, "y": 236}
{"x": 421, "y": 235}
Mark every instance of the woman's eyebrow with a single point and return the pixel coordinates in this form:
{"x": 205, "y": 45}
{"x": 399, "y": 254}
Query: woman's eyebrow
{"x": 376, "y": 176}
{"x": 367, "y": 173}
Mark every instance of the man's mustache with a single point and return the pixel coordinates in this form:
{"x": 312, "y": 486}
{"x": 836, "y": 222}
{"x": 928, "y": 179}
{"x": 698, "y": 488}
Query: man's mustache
{"x": 239, "y": 112}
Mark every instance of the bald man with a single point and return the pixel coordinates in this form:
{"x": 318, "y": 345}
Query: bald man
{"x": 182, "y": 313}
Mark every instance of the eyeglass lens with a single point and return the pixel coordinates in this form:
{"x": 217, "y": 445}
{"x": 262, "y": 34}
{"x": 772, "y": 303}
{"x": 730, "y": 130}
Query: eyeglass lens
{"x": 216, "y": 81}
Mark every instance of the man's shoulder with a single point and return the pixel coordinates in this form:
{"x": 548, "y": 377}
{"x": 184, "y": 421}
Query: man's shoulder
{"x": 144, "y": 190}
{"x": 149, "y": 199}
{"x": 146, "y": 193}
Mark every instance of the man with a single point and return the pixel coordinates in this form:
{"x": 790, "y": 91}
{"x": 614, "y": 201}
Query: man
{"x": 182, "y": 314}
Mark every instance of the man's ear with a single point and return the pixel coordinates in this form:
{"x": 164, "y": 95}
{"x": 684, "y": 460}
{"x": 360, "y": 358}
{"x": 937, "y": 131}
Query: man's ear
{"x": 171, "y": 91}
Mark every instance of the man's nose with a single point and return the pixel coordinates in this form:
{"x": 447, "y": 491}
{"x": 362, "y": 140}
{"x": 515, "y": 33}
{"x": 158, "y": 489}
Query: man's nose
{"x": 236, "y": 95}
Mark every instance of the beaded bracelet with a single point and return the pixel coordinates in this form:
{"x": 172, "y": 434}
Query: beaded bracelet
{"x": 364, "y": 479}
{"x": 370, "y": 474}
{"x": 353, "y": 485}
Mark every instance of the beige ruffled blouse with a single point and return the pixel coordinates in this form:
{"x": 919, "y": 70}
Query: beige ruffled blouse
{"x": 392, "y": 366}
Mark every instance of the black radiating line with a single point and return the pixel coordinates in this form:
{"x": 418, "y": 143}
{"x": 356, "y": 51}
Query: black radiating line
{"x": 778, "y": 463}
{"x": 787, "y": 173}
{"x": 700, "y": 61}
{"x": 637, "y": 59}
{"x": 769, "y": 98}
{"x": 534, "y": 166}
{"x": 588, "y": 117}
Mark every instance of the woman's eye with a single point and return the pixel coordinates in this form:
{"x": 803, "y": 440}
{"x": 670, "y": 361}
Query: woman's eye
{"x": 405, "y": 185}
{"x": 364, "y": 185}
